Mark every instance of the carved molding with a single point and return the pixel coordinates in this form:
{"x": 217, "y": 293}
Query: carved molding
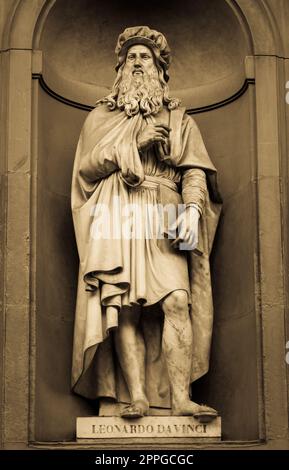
{"x": 202, "y": 109}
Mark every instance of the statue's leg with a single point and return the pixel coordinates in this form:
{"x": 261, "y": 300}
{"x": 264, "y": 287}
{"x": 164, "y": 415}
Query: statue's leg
{"x": 177, "y": 348}
{"x": 130, "y": 348}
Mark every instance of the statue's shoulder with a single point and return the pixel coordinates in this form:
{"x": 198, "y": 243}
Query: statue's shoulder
{"x": 98, "y": 115}
{"x": 187, "y": 116}
{"x": 99, "y": 111}
{"x": 189, "y": 120}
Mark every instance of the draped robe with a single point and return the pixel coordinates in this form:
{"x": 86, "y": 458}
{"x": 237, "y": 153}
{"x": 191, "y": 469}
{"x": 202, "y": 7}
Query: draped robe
{"x": 107, "y": 165}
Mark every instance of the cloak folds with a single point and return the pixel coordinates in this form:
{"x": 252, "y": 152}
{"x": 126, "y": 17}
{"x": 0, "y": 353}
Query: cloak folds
{"x": 107, "y": 162}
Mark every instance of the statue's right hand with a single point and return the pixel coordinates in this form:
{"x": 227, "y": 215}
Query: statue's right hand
{"x": 151, "y": 134}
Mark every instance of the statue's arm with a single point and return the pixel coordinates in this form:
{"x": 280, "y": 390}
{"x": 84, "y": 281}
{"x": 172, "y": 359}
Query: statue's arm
{"x": 194, "y": 188}
{"x": 97, "y": 163}
{"x": 96, "y": 150}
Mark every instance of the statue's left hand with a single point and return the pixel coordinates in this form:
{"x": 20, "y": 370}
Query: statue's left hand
{"x": 187, "y": 228}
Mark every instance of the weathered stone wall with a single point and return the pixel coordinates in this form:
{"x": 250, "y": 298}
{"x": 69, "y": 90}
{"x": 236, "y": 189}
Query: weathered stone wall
{"x": 247, "y": 140}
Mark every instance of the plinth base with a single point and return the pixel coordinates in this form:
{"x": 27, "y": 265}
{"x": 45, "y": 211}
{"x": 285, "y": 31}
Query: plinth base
{"x": 148, "y": 426}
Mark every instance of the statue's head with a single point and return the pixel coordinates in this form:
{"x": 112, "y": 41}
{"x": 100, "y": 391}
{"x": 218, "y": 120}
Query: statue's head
{"x": 142, "y": 73}
{"x": 149, "y": 38}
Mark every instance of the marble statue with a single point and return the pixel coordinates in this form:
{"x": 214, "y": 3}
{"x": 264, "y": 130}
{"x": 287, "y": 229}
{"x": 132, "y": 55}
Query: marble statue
{"x": 144, "y": 308}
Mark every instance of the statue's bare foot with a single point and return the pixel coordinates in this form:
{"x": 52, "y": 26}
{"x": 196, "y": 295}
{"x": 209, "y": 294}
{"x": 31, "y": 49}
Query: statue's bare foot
{"x": 203, "y": 413}
{"x": 137, "y": 409}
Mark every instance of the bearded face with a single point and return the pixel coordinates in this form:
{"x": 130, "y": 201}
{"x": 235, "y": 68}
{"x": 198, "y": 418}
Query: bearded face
{"x": 140, "y": 89}
{"x": 139, "y": 86}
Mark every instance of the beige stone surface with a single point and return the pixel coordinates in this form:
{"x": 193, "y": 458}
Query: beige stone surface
{"x": 265, "y": 25}
{"x": 149, "y": 426}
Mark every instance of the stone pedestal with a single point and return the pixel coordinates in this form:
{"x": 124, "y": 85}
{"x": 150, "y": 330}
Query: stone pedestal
{"x": 147, "y": 427}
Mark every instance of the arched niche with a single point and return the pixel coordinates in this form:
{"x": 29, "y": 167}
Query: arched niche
{"x": 26, "y": 19}
{"x": 78, "y": 43}
{"x": 209, "y": 50}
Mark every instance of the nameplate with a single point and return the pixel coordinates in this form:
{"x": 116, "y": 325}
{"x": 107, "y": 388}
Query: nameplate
{"x": 148, "y": 426}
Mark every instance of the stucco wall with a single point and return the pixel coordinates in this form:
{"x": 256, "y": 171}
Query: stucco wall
{"x": 250, "y": 134}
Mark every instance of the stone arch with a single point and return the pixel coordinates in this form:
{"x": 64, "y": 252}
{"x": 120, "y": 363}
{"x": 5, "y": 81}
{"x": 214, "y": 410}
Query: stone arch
{"x": 27, "y": 17}
{"x": 258, "y": 22}
{"x": 21, "y": 23}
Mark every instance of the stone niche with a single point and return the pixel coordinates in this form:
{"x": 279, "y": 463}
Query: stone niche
{"x": 209, "y": 47}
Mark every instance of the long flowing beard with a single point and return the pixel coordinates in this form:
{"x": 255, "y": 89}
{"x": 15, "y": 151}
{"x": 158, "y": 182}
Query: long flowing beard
{"x": 143, "y": 94}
